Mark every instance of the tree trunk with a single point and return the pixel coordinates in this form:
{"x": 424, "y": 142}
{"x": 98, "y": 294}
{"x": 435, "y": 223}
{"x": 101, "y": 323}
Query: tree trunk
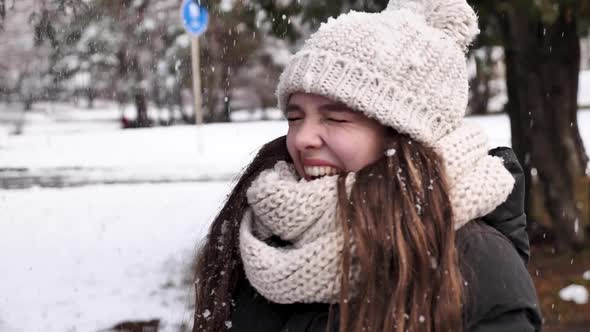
{"x": 227, "y": 84}
{"x": 28, "y": 103}
{"x": 129, "y": 65}
{"x": 90, "y": 95}
{"x": 480, "y": 84}
{"x": 141, "y": 107}
{"x": 140, "y": 95}
{"x": 542, "y": 68}
{"x": 214, "y": 83}
{"x": 2, "y": 10}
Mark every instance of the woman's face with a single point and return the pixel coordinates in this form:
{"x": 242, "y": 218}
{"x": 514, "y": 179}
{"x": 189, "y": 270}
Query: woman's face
{"x": 327, "y": 137}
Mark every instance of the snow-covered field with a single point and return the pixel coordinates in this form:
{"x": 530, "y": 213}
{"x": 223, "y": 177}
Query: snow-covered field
{"x": 70, "y": 146}
{"x": 86, "y": 258}
{"x": 83, "y": 258}
{"x": 87, "y": 146}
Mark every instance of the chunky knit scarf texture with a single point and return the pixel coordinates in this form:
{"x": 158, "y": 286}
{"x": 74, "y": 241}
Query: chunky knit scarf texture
{"x": 303, "y": 214}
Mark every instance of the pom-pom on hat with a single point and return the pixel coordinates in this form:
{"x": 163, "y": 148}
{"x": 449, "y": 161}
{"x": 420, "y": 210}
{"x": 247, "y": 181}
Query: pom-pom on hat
{"x": 453, "y": 17}
{"x": 406, "y": 68}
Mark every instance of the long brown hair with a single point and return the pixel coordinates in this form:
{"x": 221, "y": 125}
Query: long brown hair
{"x": 218, "y": 265}
{"x": 399, "y": 219}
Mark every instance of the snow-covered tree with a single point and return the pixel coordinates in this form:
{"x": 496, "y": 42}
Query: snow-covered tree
{"x": 134, "y": 49}
{"x": 109, "y": 48}
{"x": 85, "y": 61}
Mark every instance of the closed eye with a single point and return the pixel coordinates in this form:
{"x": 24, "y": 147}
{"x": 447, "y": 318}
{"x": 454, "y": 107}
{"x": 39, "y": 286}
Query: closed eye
{"x": 294, "y": 113}
{"x": 337, "y": 114}
{"x": 338, "y": 120}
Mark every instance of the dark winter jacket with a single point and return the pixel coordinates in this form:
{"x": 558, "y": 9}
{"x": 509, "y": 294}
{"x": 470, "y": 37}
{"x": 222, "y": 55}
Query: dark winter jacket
{"x": 500, "y": 295}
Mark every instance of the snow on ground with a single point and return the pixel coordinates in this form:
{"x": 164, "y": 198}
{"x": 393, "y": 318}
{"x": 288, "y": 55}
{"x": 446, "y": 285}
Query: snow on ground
{"x": 177, "y": 153}
{"x": 83, "y": 259}
{"x": 575, "y": 293}
{"x": 86, "y": 146}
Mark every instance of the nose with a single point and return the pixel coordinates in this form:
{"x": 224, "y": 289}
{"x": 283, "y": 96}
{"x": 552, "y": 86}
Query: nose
{"x": 308, "y": 136}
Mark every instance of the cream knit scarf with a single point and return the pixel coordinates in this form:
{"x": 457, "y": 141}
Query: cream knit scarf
{"x": 304, "y": 214}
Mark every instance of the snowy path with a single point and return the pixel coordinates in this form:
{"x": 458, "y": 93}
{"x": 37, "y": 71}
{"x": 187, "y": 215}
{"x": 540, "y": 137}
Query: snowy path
{"x": 81, "y": 259}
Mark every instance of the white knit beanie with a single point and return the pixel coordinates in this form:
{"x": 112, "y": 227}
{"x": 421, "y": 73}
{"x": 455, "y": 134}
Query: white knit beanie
{"x": 406, "y": 68}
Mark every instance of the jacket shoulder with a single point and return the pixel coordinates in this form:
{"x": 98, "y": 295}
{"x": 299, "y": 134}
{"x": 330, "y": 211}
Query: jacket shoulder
{"x": 497, "y": 283}
{"x": 509, "y": 217}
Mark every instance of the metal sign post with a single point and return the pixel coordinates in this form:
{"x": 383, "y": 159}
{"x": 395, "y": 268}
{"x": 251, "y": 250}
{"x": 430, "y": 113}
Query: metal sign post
{"x": 196, "y": 80}
{"x": 195, "y": 19}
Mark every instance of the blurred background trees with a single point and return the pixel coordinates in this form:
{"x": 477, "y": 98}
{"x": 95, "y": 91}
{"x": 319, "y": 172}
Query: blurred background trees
{"x": 136, "y": 52}
{"x": 540, "y": 44}
{"x": 525, "y": 62}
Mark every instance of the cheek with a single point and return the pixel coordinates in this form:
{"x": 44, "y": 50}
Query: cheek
{"x": 290, "y": 144}
{"x": 361, "y": 150}
{"x": 294, "y": 153}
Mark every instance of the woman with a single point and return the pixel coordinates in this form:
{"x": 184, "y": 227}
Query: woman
{"x": 366, "y": 217}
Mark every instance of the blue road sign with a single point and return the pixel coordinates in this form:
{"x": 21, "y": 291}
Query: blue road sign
{"x": 194, "y": 17}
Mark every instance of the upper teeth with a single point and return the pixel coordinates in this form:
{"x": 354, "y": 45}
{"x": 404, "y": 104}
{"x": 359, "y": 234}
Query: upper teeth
{"x": 320, "y": 170}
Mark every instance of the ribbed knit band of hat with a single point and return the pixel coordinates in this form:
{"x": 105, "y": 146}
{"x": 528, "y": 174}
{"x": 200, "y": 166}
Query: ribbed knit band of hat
{"x": 406, "y": 68}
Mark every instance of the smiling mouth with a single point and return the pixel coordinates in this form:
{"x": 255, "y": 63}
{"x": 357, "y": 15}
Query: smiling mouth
{"x": 315, "y": 172}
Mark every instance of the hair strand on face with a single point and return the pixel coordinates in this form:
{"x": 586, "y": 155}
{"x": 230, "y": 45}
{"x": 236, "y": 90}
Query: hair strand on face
{"x": 399, "y": 226}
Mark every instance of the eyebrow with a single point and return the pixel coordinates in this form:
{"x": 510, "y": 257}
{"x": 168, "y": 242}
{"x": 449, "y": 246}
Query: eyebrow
{"x": 329, "y": 107}
{"x": 334, "y": 107}
{"x": 292, "y": 108}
